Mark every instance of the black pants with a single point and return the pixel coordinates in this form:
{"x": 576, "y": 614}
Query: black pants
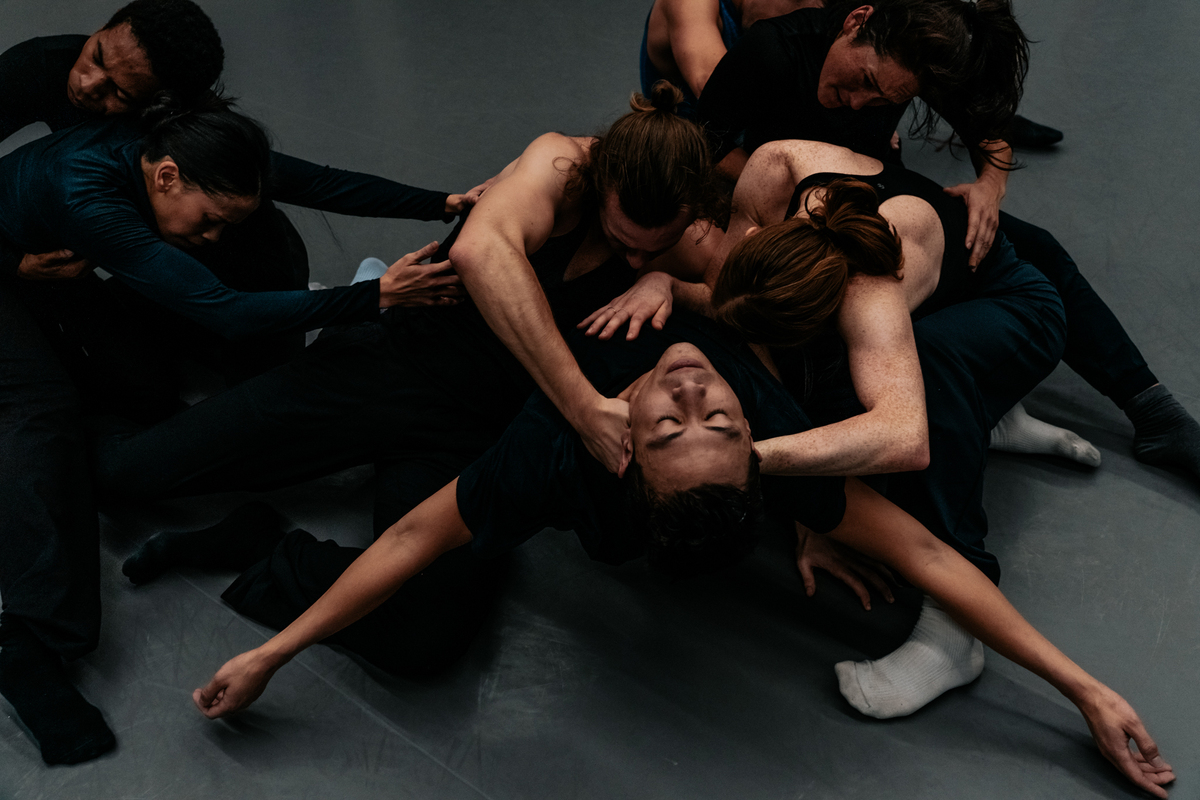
{"x": 979, "y": 357}
{"x": 70, "y": 349}
{"x": 421, "y": 393}
{"x": 1097, "y": 348}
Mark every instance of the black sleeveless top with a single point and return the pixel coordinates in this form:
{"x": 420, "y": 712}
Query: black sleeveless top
{"x": 955, "y": 277}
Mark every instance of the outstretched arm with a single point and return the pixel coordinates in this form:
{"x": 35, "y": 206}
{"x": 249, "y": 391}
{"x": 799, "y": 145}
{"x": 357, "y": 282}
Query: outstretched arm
{"x": 405, "y": 549}
{"x": 876, "y": 527}
{"x": 515, "y": 217}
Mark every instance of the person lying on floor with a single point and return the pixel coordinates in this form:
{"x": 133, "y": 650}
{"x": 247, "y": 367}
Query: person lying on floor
{"x": 690, "y": 497}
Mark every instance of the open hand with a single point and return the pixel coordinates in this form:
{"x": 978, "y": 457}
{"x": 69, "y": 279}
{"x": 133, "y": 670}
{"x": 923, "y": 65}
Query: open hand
{"x": 1113, "y": 722}
{"x": 814, "y": 551}
{"x": 235, "y": 686}
{"x": 408, "y": 282}
{"x": 983, "y": 214}
{"x": 458, "y": 203}
{"x": 56, "y": 266}
{"x": 648, "y": 299}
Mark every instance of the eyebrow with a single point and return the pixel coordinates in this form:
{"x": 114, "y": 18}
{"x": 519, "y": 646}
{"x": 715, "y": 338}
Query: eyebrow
{"x": 660, "y": 442}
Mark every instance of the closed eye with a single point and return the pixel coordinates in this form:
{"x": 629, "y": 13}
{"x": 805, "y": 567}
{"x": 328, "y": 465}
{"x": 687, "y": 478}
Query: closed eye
{"x": 713, "y": 413}
{"x": 665, "y": 417}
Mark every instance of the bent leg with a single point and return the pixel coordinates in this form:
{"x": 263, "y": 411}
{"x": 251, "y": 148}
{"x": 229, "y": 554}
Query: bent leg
{"x": 1097, "y": 346}
{"x": 978, "y": 359}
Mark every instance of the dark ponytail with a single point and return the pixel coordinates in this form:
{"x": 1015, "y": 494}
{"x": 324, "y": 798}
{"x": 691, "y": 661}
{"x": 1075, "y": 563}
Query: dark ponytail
{"x": 781, "y": 286}
{"x": 217, "y": 150}
{"x": 656, "y": 162}
{"x": 970, "y": 60}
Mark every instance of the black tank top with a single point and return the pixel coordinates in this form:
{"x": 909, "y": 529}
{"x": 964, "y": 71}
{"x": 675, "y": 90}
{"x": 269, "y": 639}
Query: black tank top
{"x": 896, "y": 181}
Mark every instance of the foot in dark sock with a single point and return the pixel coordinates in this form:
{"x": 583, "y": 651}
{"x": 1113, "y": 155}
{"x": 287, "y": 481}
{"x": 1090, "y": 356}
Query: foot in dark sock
{"x": 244, "y": 537}
{"x": 1029, "y": 135}
{"x": 68, "y": 728}
{"x": 1164, "y": 433}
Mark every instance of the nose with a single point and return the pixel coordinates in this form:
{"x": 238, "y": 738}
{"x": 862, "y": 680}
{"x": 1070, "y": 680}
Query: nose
{"x": 689, "y": 392}
{"x": 213, "y": 234}
{"x": 636, "y": 258}
{"x": 858, "y": 100}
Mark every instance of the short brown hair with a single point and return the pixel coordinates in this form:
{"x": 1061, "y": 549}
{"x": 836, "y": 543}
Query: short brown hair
{"x": 781, "y": 286}
{"x": 656, "y": 161}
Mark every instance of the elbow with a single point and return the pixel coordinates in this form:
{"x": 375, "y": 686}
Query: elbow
{"x": 908, "y": 451}
{"x": 464, "y": 255}
{"x": 916, "y": 457}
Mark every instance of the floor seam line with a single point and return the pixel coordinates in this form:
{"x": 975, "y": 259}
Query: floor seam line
{"x": 366, "y": 709}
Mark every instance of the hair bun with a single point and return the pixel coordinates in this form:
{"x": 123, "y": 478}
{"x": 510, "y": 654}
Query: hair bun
{"x": 168, "y": 106}
{"x": 664, "y": 96}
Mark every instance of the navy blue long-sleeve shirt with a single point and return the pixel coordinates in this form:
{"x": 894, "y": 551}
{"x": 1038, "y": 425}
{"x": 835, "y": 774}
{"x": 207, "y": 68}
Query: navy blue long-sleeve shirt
{"x": 83, "y": 189}
{"x": 33, "y": 80}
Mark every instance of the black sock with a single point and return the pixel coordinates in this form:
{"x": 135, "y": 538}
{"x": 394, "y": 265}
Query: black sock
{"x": 1164, "y": 433}
{"x": 68, "y": 728}
{"x": 244, "y": 537}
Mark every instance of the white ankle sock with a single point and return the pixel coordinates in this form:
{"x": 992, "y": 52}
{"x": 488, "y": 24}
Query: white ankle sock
{"x": 1018, "y": 432}
{"x": 938, "y": 656}
{"x": 368, "y": 270}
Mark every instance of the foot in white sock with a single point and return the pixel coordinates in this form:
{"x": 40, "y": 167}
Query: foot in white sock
{"x": 1018, "y": 432}
{"x": 938, "y": 656}
{"x": 369, "y": 269}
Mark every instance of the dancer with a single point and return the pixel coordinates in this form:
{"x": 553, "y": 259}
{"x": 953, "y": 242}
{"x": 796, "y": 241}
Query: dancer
{"x": 837, "y": 79}
{"x": 684, "y": 41}
{"x": 135, "y": 204}
{"x": 688, "y": 496}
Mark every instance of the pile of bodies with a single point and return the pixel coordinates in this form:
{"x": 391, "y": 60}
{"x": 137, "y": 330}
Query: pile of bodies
{"x": 776, "y": 271}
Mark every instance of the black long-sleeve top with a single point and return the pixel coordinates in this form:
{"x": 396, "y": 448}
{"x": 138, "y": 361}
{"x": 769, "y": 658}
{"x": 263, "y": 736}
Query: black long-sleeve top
{"x": 83, "y": 189}
{"x": 33, "y": 81}
{"x": 765, "y": 87}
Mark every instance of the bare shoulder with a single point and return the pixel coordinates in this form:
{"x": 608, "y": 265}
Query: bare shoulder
{"x": 914, "y": 220}
{"x": 802, "y": 158}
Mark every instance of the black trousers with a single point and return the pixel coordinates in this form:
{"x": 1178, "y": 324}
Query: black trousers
{"x": 979, "y": 357}
{"x": 420, "y": 393}
{"x": 70, "y": 349}
{"x": 1097, "y": 347}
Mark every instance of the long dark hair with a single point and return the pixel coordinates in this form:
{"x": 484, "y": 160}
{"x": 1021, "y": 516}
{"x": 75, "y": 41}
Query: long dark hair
{"x": 218, "y": 150}
{"x": 970, "y": 59}
{"x": 656, "y": 162}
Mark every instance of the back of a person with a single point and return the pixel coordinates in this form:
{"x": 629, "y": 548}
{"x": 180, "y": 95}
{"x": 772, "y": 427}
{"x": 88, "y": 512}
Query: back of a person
{"x": 46, "y": 181}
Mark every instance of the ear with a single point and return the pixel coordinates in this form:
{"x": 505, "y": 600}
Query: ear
{"x": 166, "y": 175}
{"x": 856, "y": 19}
{"x": 626, "y": 452}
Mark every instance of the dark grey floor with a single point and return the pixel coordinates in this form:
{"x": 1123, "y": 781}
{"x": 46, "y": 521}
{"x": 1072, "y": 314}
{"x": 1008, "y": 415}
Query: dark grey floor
{"x": 598, "y": 682}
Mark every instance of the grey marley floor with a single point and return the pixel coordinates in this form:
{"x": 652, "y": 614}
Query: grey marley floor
{"x": 599, "y": 682}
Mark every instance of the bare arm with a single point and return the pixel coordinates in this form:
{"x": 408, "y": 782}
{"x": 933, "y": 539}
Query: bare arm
{"x": 693, "y": 29}
{"x": 405, "y": 549}
{"x": 893, "y": 434}
{"x": 513, "y": 218}
{"x": 877, "y": 528}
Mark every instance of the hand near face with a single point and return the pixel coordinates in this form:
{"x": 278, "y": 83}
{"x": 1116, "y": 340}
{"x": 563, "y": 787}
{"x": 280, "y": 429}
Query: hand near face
{"x": 408, "y": 282}
{"x": 603, "y": 431}
{"x": 235, "y": 686}
{"x": 648, "y": 299}
{"x": 56, "y": 266}
{"x": 983, "y": 215}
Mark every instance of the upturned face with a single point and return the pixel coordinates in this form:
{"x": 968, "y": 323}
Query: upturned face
{"x": 686, "y": 424}
{"x": 186, "y": 216}
{"x": 855, "y": 76}
{"x": 112, "y": 74}
{"x": 631, "y": 241}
